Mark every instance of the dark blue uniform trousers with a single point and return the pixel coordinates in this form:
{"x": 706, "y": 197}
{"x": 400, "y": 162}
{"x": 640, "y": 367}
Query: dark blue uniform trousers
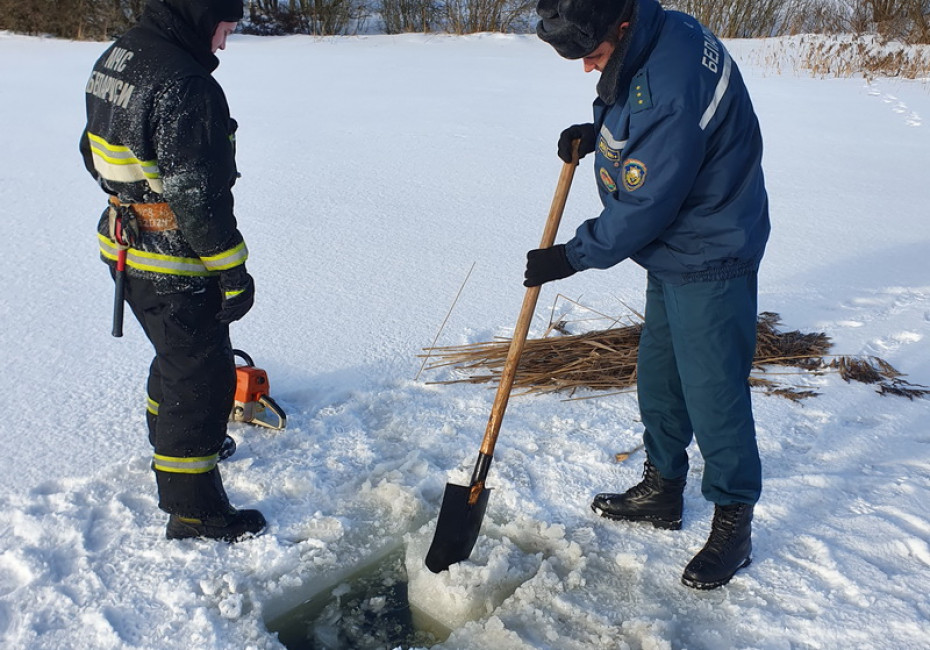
{"x": 695, "y": 355}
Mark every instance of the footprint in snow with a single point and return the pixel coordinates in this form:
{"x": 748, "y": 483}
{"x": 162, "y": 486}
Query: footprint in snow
{"x": 911, "y": 118}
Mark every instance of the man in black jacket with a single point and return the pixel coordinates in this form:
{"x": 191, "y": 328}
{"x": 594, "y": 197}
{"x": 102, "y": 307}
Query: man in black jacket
{"x": 160, "y": 142}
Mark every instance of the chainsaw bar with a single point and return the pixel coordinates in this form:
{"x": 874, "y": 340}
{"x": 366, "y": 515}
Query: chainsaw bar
{"x": 263, "y": 412}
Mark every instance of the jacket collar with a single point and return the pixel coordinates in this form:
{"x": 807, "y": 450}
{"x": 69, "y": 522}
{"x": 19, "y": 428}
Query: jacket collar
{"x": 649, "y": 19}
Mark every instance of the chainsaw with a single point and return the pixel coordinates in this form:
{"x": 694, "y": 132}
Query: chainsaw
{"x": 252, "y": 404}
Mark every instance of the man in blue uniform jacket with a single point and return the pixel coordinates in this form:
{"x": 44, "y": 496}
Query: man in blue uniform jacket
{"x": 677, "y": 157}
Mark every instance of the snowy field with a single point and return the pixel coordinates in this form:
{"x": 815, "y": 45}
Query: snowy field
{"x": 375, "y": 172}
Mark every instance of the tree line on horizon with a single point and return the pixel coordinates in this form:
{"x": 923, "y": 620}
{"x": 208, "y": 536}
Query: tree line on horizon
{"x": 906, "y": 21}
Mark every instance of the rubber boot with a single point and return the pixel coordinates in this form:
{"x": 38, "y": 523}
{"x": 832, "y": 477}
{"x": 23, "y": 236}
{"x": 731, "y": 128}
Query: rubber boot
{"x": 230, "y": 526}
{"x": 728, "y": 549}
{"x": 655, "y": 500}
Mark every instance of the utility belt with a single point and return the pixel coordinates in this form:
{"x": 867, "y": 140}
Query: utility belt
{"x": 127, "y": 222}
{"x": 148, "y": 217}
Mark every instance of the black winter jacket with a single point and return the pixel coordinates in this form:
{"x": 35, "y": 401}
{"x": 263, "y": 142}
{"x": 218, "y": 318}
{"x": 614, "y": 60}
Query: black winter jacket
{"x": 159, "y": 132}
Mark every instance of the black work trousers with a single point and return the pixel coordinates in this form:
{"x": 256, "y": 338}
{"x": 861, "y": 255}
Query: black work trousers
{"x": 191, "y": 384}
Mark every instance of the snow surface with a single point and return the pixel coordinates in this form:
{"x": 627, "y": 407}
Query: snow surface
{"x": 376, "y": 171}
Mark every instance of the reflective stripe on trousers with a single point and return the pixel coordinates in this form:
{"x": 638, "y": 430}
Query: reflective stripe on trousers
{"x": 176, "y": 465}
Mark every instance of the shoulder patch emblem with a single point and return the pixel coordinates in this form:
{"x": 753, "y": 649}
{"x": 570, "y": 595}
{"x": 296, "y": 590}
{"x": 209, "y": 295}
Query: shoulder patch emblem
{"x": 608, "y": 180}
{"x": 634, "y": 174}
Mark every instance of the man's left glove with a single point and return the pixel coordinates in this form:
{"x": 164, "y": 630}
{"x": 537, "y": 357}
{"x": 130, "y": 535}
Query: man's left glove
{"x": 238, "y": 294}
{"x": 547, "y": 264}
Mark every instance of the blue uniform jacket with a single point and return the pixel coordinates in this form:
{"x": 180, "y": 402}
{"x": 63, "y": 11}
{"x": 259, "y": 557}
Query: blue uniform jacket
{"x": 678, "y": 160}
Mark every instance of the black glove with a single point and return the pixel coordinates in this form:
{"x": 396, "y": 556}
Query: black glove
{"x": 583, "y": 132}
{"x": 238, "y": 294}
{"x": 547, "y": 264}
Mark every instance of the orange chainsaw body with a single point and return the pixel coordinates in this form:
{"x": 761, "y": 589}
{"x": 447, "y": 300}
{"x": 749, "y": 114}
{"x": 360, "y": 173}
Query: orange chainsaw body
{"x": 251, "y": 383}
{"x": 251, "y": 402}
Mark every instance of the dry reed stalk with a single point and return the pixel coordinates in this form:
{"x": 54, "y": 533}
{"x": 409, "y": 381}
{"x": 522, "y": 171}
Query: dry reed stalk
{"x": 605, "y": 360}
{"x": 446, "y": 319}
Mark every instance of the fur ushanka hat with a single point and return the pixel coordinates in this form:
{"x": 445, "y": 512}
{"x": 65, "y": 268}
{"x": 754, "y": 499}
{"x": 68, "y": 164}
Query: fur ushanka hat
{"x": 576, "y": 27}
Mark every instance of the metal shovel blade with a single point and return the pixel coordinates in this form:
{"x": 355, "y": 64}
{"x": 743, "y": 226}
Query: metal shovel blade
{"x": 457, "y": 528}
{"x": 461, "y": 514}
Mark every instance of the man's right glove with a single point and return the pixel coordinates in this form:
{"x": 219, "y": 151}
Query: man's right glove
{"x": 547, "y": 264}
{"x": 583, "y": 132}
{"x": 238, "y": 294}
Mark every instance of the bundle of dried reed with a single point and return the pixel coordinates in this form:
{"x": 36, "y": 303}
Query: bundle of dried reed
{"x": 605, "y": 360}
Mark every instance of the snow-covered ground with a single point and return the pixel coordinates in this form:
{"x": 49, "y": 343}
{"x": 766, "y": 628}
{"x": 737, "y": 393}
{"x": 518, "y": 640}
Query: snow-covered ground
{"x": 376, "y": 171}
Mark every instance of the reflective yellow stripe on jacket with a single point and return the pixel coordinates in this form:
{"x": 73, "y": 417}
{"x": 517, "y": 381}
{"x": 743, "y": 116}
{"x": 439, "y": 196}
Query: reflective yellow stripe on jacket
{"x": 188, "y": 266}
{"x": 117, "y": 163}
{"x": 178, "y": 465}
{"x": 155, "y": 262}
{"x": 227, "y": 259}
{"x": 151, "y": 406}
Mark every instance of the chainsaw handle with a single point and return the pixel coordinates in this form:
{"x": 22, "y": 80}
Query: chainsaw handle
{"x": 242, "y": 355}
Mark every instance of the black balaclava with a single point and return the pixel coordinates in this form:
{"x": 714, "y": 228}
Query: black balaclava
{"x": 576, "y": 27}
{"x": 204, "y": 15}
{"x": 198, "y": 20}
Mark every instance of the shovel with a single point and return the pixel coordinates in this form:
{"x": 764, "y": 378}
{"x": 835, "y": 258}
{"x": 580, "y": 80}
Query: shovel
{"x": 463, "y": 506}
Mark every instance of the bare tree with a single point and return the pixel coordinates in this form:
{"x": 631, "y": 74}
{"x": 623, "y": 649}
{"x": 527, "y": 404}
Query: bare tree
{"x": 907, "y": 21}
{"x": 405, "y": 16}
{"x": 78, "y": 19}
{"x": 317, "y": 17}
{"x": 742, "y": 18}
{"x": 471, "y": 16}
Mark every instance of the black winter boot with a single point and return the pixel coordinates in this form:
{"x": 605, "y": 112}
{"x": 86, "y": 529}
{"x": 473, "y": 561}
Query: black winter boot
{"x": 229, "y": 527}
{"x": 655, "y": 500}
{"x": 728, "y": 549}
{"x": 227, "y": 449}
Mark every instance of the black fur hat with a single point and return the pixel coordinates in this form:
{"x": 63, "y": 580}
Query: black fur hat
{"x": 576, "y": 27}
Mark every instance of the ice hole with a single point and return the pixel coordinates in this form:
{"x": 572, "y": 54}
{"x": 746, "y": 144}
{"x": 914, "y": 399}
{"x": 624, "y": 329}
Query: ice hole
{"x": 368, "y": 610}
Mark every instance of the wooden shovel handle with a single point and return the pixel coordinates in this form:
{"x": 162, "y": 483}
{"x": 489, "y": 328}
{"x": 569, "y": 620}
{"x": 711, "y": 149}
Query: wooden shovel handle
{"x": 526, "y": 311}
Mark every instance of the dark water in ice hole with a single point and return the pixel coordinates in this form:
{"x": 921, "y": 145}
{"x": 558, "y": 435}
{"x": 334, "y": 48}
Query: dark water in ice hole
{"x": 367, "y": 611}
